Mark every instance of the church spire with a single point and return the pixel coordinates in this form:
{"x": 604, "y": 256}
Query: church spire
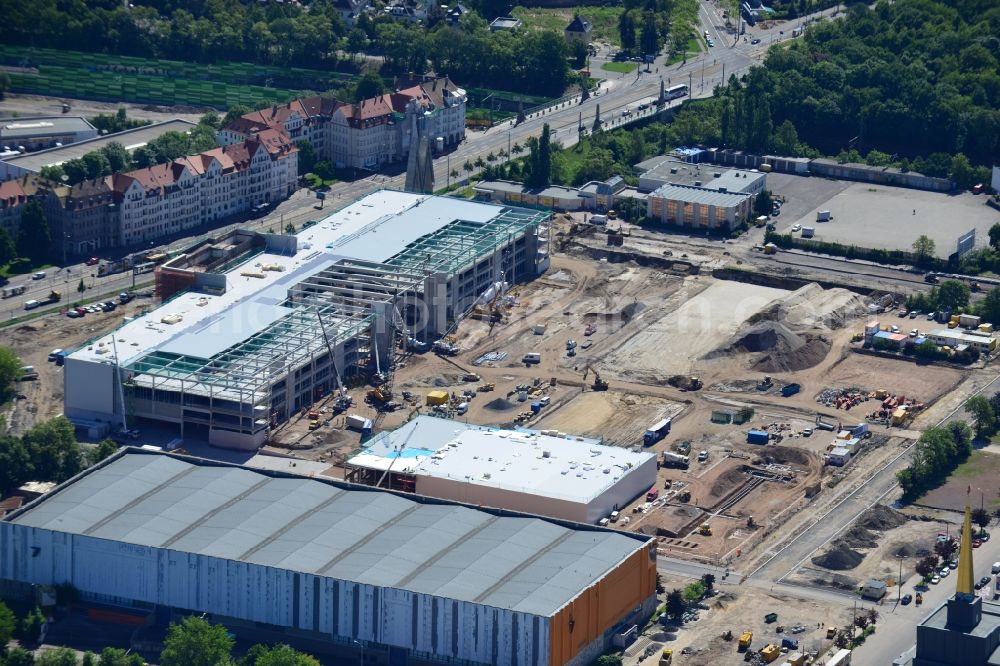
{"x": 965, "y": 580}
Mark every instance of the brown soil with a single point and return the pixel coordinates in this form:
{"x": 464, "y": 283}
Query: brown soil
{"x": 725, "y": 481}
{"x": 785, "y": 455}
{"x": 881, "y": 518}
{"x": 840, "y": 557}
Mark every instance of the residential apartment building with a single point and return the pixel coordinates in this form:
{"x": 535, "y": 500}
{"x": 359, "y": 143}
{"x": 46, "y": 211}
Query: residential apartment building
{"x": 147, "y": 204}
{"x": 167, "y": 199}
{"x": 365, "y": 135}
{"x": 12, "y": 200}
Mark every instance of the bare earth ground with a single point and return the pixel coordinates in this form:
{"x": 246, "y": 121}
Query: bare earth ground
{"x": 980, "y": 472}
{"x": 33, "y": 340}
{"x": 925, "y": 382}
{"x": 618, "y": 417}
{"x": 34, "y": 105}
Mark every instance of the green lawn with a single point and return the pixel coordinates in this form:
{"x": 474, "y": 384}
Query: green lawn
{"x": 623, "y": 67}
{"x": 603, "y": 19}
{"x": 694, "y": 45}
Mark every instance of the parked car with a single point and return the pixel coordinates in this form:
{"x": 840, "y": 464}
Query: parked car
{"x": 796, "y": 227}
{"x": 907, "y": 598}
{"x": 40, "y": 275}
{"x": 73, "y": 314}
{"x": 935, "y": 580}
{"x": 755, "y": 40}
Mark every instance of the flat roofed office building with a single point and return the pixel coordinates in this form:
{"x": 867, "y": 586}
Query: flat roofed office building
{"x": 559, "y": 476}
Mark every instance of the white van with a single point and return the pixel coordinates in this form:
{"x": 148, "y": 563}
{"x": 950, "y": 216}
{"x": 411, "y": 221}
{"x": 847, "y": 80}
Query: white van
{"x": 533, "y": 357}
{"x": 614, "y": 516}
{"x": 462, "y": 408}
{"x": 31, "y": 305}
{"x": 599, "y": 220}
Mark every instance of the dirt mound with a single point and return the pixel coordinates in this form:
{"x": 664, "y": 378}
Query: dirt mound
{"x": 726, "y": 481}
{"x": 500, "y": 405}
{"x": 782, "y": 349}
{"x": 785, "y": 455}
{"x": 683, "y": 382}
{"x": 812, "y": 352}
{"x": 881, "y": 518}
{"x": 907, "y": 549}
{"x": 812, "y": 306}
{"x": 840, "y": 557}
{"x": 26, "y": 328}
{"x": 631, "y": 310}
{"x": 859, "y": 537}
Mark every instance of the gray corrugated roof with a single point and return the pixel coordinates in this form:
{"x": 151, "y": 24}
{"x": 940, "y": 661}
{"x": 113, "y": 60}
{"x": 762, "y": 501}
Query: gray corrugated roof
{"x": 311, "y": 526}
{"x": 132, "y": 138}
{"x": 699, "y": 195}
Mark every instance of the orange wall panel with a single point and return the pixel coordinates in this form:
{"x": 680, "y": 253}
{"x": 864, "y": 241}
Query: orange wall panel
{"x": 600, "y": 606}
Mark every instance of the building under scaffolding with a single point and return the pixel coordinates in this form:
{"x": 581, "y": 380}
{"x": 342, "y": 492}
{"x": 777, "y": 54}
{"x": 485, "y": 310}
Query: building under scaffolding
{"x": 268, "y": 323}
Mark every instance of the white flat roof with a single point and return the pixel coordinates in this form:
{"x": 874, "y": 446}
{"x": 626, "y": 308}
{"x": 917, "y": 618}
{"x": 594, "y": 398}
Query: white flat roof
{"x": 373, "y": 228}
{"x": 577, "y": 469}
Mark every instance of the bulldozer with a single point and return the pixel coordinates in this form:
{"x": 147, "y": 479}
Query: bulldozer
{"x": 705, "y": 529}
{"x": 489, "y": 386}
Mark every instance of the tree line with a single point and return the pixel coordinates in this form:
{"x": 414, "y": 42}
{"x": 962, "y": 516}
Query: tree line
{"x": 114, "y": 158}
{"x": 191, "y": 642}
{"x": 936, "y": 454}
{"x": 917, "y": 81}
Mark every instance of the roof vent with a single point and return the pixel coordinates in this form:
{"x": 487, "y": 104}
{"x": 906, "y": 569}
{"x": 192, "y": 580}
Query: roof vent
{"x": 697, "y": 183}
{"x": 718, "y": 174}
{"x": 546, "y": 454}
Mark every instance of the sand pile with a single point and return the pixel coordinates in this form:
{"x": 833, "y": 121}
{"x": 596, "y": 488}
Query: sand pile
{"x": 812, "y": 306}
{"x": 881, "y": 518}
{"x": 812, "y": 352}
{"x": 840, "y": 557}
{"x": 781, "y": 349}
{"x": 859, "y": 537}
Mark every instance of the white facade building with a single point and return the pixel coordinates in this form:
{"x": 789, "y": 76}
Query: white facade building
{"x": 367, "y": 134}
{"x": 572, "y": 478}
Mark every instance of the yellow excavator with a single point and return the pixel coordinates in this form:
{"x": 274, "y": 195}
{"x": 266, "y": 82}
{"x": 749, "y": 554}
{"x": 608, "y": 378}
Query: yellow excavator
{"x": 599, "y": 384}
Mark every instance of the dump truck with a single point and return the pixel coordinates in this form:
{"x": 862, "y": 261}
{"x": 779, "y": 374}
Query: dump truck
{"x": 746, "y": 638}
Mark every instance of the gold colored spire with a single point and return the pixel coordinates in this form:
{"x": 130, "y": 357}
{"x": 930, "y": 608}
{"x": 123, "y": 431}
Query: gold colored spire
{"x": 965, "y": 580}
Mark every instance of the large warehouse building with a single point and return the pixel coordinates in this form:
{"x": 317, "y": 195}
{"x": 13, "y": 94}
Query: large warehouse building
{"x": 572, "y": 478}
{"x": 329, "y": 561}
{"x": 266, "y": 323}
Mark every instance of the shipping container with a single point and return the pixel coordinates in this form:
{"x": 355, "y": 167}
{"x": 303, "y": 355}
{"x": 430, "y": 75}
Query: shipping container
{"x": 757, "y": 437}
{"x": 823, "y": 216}
{"x": 969, "y": 321}
{"x": 437, "y": 397}
{"x": 357, "y": 422}
{"x": 790, "y": 389}
{"x": 808, "y": 232}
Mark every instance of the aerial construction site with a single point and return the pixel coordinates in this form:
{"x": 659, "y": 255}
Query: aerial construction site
{"x": 714, "y": 399}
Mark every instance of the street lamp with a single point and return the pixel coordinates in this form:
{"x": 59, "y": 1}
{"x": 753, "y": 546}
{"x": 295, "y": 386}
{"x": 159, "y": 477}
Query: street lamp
{"x": 355, "y": 640}
{"x": 899, "y": 580}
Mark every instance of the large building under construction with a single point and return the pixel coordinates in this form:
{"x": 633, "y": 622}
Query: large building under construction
{"x": 254, "y": 327}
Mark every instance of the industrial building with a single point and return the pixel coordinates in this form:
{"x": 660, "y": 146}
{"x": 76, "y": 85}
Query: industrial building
{"x": 545, "y": 473}
{"x": 699, "y": 208}
{"x": 656, "y": 172}
{"x": 981, "y": 341}
{"x": 32, "y": 163}
{"x": 326, "y": 561}
{"x": 41, "y": 132}
{"x": 268, "y": 323}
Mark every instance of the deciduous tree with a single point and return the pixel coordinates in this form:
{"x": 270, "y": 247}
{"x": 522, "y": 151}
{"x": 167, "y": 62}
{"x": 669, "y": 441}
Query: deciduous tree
{"x": 196, "y": 642}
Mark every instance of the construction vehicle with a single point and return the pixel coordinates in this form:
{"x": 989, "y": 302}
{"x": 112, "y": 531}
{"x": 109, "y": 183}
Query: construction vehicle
{"x": 746, "y": 638}
{"x": 831, "y": 632}
{"x": 485, "y": 388}
{"x": 666, "y": 657}
{"x": 705, "y": 529}
{"x": 770, "y": 652}
{"x": 313, "y": 415}
{"x": 684, "y": 496}
{"x": 765, "y": 383}
{"x": 751, "y": 523}
{"x": 599, "y": 384}
{"x": 313, "y": 425}
{"x": 379, "y": 394}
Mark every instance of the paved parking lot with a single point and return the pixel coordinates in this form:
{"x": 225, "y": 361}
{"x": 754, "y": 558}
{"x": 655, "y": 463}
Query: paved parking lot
{"x": 879, "y": 216}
